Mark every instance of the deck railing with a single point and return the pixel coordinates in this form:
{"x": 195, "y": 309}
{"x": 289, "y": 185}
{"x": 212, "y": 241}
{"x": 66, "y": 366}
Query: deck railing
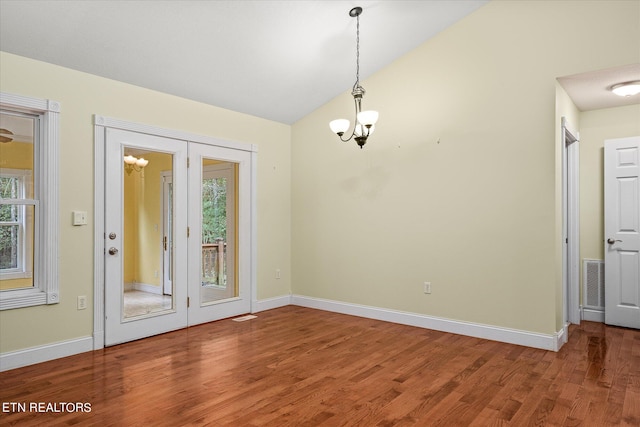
{"x": 213, "y": 263}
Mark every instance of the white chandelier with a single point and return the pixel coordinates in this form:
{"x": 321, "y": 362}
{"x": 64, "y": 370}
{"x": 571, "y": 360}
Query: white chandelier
{"x": 365, "y": 121}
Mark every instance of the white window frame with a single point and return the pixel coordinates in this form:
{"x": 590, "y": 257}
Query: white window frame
{"x": 45, "y": 288}
{"x": 25, "y": 236}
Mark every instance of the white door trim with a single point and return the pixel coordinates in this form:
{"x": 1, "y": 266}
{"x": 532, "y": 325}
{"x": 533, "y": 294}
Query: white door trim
{"x": 570, "y": 223}
{"x": 101, "y": 123}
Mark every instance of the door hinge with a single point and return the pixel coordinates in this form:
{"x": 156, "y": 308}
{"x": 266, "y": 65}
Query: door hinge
{"x": 188, "y": 162}
{"x": 188, "y": 302}
{"x": 188, "y": 231}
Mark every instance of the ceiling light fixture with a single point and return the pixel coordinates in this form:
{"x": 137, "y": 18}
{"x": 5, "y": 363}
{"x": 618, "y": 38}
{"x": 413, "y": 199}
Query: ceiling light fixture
{"x": 626, "y": 88}
{"x": 365, "y": 121}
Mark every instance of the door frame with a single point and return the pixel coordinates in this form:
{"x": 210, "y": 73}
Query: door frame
{"x": 101, "y": 124}
{"x": 570, "y": 223}
{"x": 166, "y": 231}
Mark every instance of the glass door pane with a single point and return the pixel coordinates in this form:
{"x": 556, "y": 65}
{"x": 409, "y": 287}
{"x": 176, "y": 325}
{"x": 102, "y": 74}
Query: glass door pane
{"x": 217, "y": 231}
{"x": 144, "y": 233}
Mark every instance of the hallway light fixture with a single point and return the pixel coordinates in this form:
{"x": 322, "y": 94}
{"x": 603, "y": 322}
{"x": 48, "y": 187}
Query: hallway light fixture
{"x": 365, "y": 121}
{"x": 134, "y": 164}
{"x": 626, "y": 88}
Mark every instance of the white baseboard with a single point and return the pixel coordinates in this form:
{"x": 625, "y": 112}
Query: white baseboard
{"x": 551, "y": 342}
{"x": 592, "y": 315}
{"x": 144, "y": 287}
{"x": 562, "y": 337}
{"x": 31, "y": 356}
{"x": 270, "y": 303}
{"x": 512, "y": 336}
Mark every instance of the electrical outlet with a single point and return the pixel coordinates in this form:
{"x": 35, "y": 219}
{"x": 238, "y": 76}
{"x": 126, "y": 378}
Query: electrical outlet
{"x": 427, "y": 287}
{"x": 82, "y": 302}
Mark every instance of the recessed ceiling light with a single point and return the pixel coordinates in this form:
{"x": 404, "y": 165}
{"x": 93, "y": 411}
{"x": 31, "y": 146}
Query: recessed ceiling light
{"x": 626, "y": 88}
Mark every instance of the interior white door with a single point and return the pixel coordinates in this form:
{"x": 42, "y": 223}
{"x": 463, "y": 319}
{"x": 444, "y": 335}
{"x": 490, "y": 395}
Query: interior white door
{"x": 622, "y": 231}
{"x": 135, "y": 306}
{"x": 220, "y": 233}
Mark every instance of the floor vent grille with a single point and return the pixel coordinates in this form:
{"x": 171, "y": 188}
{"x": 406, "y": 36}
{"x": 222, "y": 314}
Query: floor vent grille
{"x": 593, "y": 284}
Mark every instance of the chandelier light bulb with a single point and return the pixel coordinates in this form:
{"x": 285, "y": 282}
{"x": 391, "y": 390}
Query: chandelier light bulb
{"x": 368, "y": 117}
{"x": 339, "y": 126}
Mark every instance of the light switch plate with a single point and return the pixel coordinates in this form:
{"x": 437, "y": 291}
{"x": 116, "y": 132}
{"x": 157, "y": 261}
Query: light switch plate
{"x": 79, "y": 218}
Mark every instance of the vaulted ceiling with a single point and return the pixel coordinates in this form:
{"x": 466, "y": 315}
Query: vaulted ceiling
{"x": 279, "y": 60}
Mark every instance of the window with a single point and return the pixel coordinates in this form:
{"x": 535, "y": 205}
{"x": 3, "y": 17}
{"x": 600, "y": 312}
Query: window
{"x": 28, "y": 201}
{"x": 16, "y": 229}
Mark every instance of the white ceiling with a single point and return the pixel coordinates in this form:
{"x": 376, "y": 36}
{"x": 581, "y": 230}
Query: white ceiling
{"x": 591, "y": 90}
{"x": 279, "y": 60}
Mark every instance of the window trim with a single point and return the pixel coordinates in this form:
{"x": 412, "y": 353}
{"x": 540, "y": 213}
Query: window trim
{"x": 46, "y": 286}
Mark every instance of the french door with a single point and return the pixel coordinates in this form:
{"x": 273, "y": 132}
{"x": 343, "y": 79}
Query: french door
{"x": 135, "y": 304}
{"x": 176, "y": 234}
{"x": 219, "y": 224}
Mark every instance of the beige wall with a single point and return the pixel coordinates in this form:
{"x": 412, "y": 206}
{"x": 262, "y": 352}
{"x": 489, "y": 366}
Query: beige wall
{"x": 595, "y": 127}
{"x": 458, "y": 186}
{"x": 83, "y": 95}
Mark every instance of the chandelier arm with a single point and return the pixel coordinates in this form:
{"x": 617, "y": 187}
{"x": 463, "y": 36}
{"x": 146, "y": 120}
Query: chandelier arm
{"x": 346, "y": 140}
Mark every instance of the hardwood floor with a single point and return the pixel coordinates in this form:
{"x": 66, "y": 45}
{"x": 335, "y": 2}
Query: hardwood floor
{"x": 295, "y": 366}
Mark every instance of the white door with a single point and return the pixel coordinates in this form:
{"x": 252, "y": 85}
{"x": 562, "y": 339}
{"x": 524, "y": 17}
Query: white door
{"x": 622, "y": 231}
{"x": 219, "y": 237}
{"x": 135, "y": 304}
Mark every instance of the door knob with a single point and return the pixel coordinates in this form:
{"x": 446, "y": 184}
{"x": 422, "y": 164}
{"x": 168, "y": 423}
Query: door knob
{"x": 612, "y": 241}
{"x": 113, "y": 251}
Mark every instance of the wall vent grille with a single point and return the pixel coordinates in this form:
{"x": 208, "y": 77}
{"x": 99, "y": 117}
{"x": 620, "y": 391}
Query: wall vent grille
{"x": 593, "y": 284}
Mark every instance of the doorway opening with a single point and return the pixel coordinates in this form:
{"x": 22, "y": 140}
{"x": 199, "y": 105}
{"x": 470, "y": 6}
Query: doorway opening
{"x": 570, "y": 223}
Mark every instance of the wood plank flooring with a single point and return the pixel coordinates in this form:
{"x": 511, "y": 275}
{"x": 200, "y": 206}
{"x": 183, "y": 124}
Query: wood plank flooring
{"x": 295, "y": 366}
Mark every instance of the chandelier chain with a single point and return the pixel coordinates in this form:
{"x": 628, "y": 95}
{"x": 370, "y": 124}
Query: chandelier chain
{"x": 357, "y": 52}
